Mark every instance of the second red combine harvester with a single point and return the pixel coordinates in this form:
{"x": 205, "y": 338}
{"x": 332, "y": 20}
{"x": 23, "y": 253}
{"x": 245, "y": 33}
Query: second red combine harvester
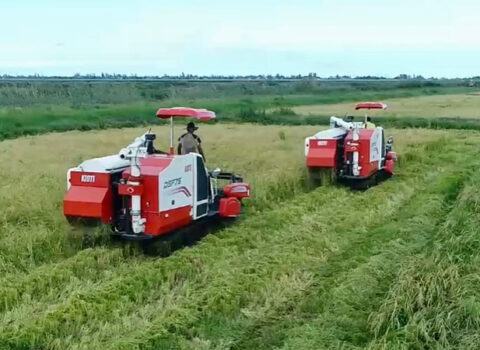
{"x": 143, "y": 195}
{"x": 355, "y": 153}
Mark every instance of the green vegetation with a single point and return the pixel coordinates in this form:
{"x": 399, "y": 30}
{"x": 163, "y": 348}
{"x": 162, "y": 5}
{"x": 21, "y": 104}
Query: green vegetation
{"x": 391, "y": 267}
{"x": 434, "y": 300}
{"x": 433, "y": 107}
{"x": 394, "y": 267}
{"x": 36, "y": 107}
{"x": 459, "y": 111}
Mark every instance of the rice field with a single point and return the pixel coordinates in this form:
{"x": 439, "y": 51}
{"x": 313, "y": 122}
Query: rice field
{"x": 394, "y": 267}
{"x": 437, "y": 106}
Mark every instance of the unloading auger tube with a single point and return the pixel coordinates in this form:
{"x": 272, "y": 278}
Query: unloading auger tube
{"x": 338, "y": 122}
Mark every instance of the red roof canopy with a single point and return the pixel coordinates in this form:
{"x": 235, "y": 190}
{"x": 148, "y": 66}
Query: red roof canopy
{"x": 200, "y": 114}
{"x": 371, "y": 105}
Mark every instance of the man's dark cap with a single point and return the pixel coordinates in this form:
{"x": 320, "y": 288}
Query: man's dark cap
{"x": 191, "y": 126}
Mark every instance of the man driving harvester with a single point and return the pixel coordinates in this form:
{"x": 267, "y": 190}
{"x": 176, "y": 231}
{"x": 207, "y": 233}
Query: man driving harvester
{"x": 189, "y": 142}
{"x": 369, "y": 124}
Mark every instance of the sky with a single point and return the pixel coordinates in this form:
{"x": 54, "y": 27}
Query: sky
{"x": 155, "y": 37}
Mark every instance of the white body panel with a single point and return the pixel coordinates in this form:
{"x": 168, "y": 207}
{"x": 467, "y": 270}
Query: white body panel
{"x": 330, "y": 134}
{"x": 307, "y": 145}
{"x": 108, "y": 164}
{"x": 176, "y": 183}
{"x": 376, "y": 146}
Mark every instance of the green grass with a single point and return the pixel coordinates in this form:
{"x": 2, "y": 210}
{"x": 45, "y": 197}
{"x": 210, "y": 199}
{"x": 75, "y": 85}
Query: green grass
{"x": 433, "y": 106}
{"x": 434, "y": 302}
{"x": 301, "y": 270}
{"x": 29, "y": 108}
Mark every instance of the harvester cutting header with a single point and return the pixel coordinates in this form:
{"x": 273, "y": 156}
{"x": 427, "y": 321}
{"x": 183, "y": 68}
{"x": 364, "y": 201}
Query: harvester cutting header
{"x": 144, "y": 195}
{"x": 352, "y": 152}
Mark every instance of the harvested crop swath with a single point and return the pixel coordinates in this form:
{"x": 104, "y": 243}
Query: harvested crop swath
{"x": 434, "y": 301}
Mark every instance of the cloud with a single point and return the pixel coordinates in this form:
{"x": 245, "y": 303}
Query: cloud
{"x": 248, "y": 36}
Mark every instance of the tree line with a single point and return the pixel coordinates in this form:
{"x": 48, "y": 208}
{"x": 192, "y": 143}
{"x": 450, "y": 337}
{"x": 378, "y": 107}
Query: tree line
{"x": 183, "y": 76}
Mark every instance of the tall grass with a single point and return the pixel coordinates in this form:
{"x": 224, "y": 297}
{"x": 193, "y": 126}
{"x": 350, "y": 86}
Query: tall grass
{"x": 426, "y": 106}
{"x": 28, "y": 108}
{"x": 300, "y": 270}
{"x": 90, "y": 93}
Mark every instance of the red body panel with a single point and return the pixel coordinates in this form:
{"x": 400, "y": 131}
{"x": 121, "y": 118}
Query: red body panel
{"x": 390, "y": 162}
{"x": 152, "y": 165}
{"x": 230, "y": 207}
{"x": 322, "y": 153}
{"x": 157, "y": 222}
{"x": 89, "y": 199}
{"x": 237, "y": 190}
{"x": 389, "y": 166}
{"x": 130, "y": 190}
{"x": 166, "y": 221}
{"x": 362, "y": 146}
{"x": 89, "y": 179}
{"x": 391, "y": 155}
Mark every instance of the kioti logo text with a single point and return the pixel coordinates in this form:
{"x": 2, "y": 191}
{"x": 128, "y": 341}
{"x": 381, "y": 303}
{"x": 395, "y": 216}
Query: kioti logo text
{"x": 88, "y": 178}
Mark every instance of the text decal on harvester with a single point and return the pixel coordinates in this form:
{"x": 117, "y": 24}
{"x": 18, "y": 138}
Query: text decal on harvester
{"x": 173, "y": 182}
{"x": 88, "y": 178}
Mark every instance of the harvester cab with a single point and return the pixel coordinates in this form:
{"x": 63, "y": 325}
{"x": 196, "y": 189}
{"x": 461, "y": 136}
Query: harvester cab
{"x": 144, "y": 195}
{"x": 355, "y": 153}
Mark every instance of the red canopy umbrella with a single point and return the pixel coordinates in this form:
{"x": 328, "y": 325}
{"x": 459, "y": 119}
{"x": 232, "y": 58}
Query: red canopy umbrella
{"x": 371, "y": 105}
{"x": 200, "y": 114}
{"x": 183, "y": 112}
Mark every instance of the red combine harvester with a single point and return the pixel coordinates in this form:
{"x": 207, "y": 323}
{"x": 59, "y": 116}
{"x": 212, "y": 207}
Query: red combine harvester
{"x": 143, "y": 195}
{"x": 354, "y": 153}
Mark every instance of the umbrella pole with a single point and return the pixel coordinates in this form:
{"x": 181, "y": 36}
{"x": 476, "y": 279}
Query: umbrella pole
{"x": 172, "y": 151}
